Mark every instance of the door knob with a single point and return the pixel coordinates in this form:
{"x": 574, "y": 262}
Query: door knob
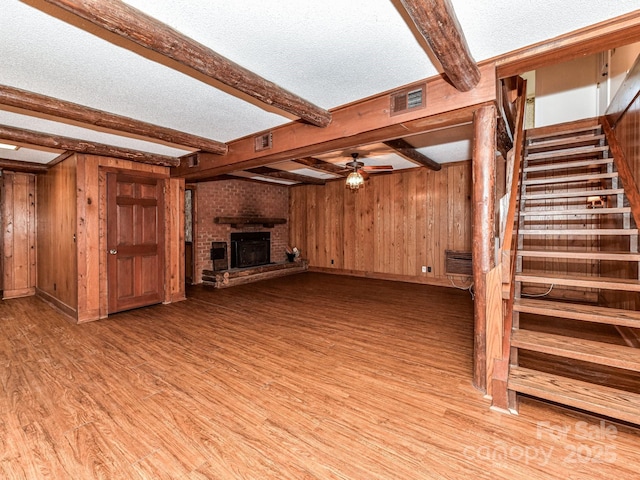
{"x": 113, "y": 251}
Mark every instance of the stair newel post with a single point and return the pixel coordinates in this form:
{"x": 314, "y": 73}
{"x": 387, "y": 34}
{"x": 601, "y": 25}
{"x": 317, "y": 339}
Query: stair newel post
{"x": 483, "y": 248}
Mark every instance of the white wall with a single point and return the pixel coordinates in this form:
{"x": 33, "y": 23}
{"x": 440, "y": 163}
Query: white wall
{"x": 566, "y": 92}
{"x": 622, "y": 59}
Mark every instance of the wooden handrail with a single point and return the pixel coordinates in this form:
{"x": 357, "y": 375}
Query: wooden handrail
{"x": 508, "y": 248}
{"x": 625, "y": 96}
{"x": 624, "y": 171}
{"x": 518, "y": 146}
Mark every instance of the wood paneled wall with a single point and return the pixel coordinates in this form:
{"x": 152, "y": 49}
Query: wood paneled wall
{"x": 19, "y": 234}
{"x": 72, "y": 227}
{"x": 174, "y": 242}
{"x": 57, "y": 220}
{"x": 390, "y": 228}
{"x": 628, "y": 134}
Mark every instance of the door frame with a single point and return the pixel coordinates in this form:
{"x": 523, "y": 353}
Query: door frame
{"x": 103, "y": 217}
{"x": 194, "y": 230}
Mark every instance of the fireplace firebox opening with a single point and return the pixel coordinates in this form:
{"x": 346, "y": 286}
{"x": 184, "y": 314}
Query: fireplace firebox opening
{"x": 250, "y": 249}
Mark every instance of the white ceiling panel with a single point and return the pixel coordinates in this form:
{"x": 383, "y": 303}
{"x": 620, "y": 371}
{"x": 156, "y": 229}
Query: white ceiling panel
{"x": 330, "y": 53}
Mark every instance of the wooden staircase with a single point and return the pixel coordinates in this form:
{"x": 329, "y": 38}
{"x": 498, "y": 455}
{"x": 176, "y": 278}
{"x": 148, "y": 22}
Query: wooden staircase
{"x": 577, "y": 288}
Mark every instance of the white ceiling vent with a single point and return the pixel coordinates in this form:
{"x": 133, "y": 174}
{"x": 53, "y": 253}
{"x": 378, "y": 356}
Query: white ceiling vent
{"x": 410, "y": 98}
{"x": 264, "y": 142}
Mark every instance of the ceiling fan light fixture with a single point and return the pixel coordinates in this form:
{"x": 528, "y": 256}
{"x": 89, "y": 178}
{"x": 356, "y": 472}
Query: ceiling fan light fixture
{"x": 355, "y": 180}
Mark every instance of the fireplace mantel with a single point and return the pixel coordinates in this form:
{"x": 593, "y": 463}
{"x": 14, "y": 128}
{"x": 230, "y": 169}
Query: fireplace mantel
{"x": 237, "y": 222}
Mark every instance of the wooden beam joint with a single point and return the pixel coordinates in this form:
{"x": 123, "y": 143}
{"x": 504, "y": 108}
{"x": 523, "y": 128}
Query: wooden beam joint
{"x": 437, "y": 23}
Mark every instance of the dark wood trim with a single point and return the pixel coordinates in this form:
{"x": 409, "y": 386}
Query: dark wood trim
{"x": 602, "y": 36}
{"x": 322, "y": 165}
{"x": 484, "y": 179}
{"x": 624, "y": 171}
{"x": 437, "y": 23}
{"x": 30, "y": 137}
{"x": 70, "y": 313}
{"x": 275, "y": 173}
{"x": 625, "y": 96}
{"x": 25, "y": 167}
{"x": 408, "y": 151}
{"x": 267, "y": 222}
{"x": 134, "y": 25}
{"x": 359, "y": 123}
{"x": 35, "y": 102}
{"x": 439, "y": 282}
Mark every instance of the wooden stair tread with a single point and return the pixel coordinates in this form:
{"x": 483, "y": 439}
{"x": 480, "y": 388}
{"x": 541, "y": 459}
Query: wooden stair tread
{"x": 563, "y": 165}
{"x": 607, "y": 283}
{"x": 567, "y": 132}
{"x": 576, "y": 211}
{"x": 567, "y": 152}
{"x": 587, "y": 396}
{"x": 570, "y": 178}
{"x": 618, "y": 356}
{"x": 580, "y": 232}
{"x": 579, "y": 194}
{"x": 571, "y": 140}
{"x": 577, "y": 311}
{"x": 590, "y": 255}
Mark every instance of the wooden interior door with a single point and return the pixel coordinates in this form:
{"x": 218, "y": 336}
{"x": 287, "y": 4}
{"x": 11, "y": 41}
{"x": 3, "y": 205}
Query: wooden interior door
{"x": 135, "y": 241}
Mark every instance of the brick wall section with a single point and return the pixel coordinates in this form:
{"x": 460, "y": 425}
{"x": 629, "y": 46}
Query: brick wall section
{"x": 238, "y": 198}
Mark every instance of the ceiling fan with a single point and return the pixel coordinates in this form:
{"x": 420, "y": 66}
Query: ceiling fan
{"x": 360, "y": 171}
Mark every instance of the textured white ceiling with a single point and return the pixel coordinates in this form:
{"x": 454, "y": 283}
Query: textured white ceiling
{"x": 330, "y": 53}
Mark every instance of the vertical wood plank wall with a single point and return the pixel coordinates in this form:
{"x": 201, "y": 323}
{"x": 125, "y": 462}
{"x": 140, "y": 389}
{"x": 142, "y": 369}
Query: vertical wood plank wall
{"x": 57, "y": 222}
{"x": 390, "y": 228}
{"x": 174, "y": 242}
{"x": 19, "y": 234}
{"x": 72, "y": 234}
{"x": 628, "y": 134}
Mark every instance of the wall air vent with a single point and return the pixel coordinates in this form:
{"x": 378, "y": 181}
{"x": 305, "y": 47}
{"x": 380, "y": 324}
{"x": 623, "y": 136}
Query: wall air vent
{"x": 407, "y": 99}
{"x": 264, "y": 142}
{"x": 192, "y": 160}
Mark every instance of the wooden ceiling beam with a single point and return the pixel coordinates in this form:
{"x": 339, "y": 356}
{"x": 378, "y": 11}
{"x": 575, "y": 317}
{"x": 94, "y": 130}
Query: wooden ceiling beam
{"x": 274, "y": 173}
{"x": 603, "y": 36}
{"x": 34, "y": 102}
{"x": 322, "y": 165}
{"x": 437, "y": 23}
{"x": 30, "y": 137}
{"x": 130, "y": 23}
{"x": 24, "y": 167}
{"x": 359, "y": 123}
{"x": 408, "y": 151}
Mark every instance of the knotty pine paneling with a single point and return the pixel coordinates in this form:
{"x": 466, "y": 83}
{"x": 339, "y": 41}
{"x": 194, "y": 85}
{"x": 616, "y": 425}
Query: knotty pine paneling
{"x": 174, "y": 242}
{"x": 57, "y": 221}
{"x": 627, "y": 132}
{"x": 389, "y": 228}
{"x": 19, "y": 234}
{"x": 72, "y": 249}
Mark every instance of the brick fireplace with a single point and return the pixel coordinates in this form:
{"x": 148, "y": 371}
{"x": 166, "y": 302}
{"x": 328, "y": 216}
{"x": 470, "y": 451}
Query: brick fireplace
{"x": 238, "y": 198}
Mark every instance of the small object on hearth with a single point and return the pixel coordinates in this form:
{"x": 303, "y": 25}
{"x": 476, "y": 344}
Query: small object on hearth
{"x": 292, "y": 253}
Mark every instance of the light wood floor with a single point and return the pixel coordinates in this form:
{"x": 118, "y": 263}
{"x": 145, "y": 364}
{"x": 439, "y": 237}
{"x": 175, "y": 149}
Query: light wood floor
{"x": 304, "y": 377}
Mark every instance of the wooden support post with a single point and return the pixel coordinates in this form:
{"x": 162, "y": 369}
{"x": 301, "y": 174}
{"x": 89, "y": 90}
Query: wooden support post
{"x": 484, "y": 183}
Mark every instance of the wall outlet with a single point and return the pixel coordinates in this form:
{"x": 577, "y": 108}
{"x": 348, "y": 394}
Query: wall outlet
{"x": 429, "y": 269}
{"x": 424, "y": 269}
{"x": 332, "y": 261}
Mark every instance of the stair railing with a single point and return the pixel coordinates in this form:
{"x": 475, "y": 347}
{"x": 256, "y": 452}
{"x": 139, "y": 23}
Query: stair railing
{"x": 508, "y": 251}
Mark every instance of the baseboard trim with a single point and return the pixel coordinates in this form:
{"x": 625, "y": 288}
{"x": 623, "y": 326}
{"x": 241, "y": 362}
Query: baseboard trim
{"x": 434, "y": 281}
{"x": 62, "y": 307}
